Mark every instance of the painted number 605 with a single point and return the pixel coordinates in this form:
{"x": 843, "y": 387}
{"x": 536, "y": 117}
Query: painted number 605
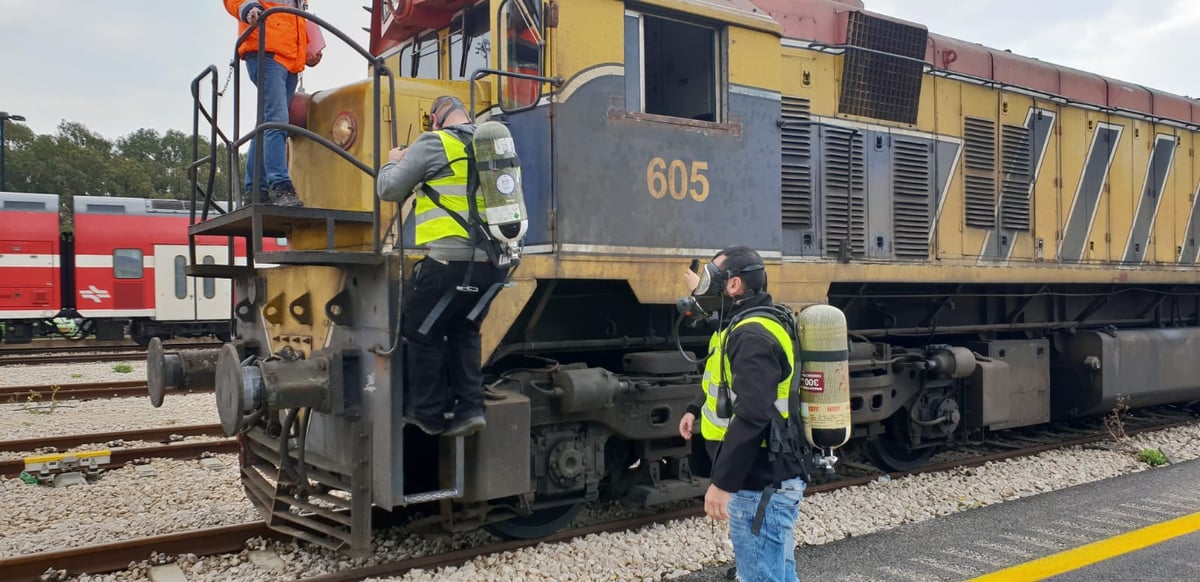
{"x": 674, "y": 178}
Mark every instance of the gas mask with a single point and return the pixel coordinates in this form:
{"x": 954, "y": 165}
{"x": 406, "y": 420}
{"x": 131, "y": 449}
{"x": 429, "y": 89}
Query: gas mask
{"x": 712, "y": 281}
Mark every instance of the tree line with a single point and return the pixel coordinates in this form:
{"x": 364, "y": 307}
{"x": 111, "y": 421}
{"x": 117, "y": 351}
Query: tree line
{"x": 75, "y": 161}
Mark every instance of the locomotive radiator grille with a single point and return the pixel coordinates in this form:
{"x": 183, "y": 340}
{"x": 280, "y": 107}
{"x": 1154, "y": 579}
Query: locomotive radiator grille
{"x": 884, "y": 81}
{"x": 796, "y": 184}
{"x": 912, "y": 191}
{"x": 843, "y": 177}
{"x": 979, "y": 155}
{"x": 1016, "y": 156}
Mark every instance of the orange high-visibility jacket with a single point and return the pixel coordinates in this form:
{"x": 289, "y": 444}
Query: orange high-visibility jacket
{"x": 286, "y": 35}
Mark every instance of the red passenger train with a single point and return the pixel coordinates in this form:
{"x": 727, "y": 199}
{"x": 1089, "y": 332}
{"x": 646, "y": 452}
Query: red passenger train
{"x": 119, "y": 270}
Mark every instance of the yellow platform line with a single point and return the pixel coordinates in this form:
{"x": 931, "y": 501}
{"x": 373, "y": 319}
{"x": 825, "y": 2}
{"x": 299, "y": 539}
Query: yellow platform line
{"x": 1092, "y": 553}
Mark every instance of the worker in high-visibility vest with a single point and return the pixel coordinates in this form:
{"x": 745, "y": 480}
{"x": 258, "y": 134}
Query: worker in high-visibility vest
{"x": 746, "y": 382}
{"x": 444, "y": 343}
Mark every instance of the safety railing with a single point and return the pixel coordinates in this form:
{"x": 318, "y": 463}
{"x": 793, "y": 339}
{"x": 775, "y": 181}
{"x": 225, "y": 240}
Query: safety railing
{"x": 202, "y": 191}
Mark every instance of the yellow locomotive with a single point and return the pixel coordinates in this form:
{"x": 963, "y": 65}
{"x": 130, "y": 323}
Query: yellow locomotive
{"x": 1011, "y": 242}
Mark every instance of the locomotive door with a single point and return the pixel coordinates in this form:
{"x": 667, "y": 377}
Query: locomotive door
{"x": 179, "y": 297}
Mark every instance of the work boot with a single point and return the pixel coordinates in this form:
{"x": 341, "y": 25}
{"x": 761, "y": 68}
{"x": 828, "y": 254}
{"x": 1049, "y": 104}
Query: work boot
{"x": 429, "y": 428}
{"x": 284, "y": 194}
{"x": 247, "y": 199}
{"x": 465, "y": 427}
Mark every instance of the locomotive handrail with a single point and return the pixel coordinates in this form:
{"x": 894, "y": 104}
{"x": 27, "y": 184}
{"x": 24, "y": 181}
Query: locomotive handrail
{"x": 198, "y": 109}
{"x": 310, "y": 135}
{"x": 481, "y": 73}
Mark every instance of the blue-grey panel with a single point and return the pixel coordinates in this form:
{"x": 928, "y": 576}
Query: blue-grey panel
{"x": 603, "y": 184}
{"x": 531, "y": 134}
{"x": 879, "y": 194}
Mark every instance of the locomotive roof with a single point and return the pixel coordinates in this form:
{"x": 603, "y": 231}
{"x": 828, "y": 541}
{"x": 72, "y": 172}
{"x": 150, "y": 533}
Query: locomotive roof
{"x": 824, "y": 21}
{"x": 130, "y": 205}
{"x": 28, "y": 202}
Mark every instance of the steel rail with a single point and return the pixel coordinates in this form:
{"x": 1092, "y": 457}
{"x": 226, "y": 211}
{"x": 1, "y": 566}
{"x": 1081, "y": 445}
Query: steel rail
{"x": 162, "y": 434}
{"x": 121, "y": 457}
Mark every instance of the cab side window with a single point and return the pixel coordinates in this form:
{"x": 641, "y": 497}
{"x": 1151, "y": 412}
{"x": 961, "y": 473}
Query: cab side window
{"x": 673, "y": 68}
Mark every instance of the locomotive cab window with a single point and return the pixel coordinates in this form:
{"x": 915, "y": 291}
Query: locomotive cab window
{"x": 672, "y": 68}
{"x": 521, "y": 52}
{"x": 469, "y": 30}
{"x": 127, "y": 264}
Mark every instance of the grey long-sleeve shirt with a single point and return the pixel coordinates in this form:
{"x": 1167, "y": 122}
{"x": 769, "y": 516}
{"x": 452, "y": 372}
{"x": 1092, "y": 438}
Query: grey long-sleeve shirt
{"x": 426, "y": 160}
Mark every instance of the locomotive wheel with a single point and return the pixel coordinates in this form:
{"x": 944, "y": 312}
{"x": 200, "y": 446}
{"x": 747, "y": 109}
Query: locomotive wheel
{"x": 538, "y": 524}
{"x": 895, "y": 456}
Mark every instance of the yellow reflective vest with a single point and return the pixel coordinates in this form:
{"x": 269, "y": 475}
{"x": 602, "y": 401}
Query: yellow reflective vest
{"x": 434, "y": 222}
{"x": 713, "y": 427}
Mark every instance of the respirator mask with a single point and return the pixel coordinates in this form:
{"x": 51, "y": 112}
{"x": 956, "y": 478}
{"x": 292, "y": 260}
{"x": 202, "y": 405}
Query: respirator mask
{"x": 713, "y": 279}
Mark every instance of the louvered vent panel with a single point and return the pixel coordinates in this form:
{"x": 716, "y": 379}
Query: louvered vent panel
{"x": 979, "y": 136}
{"x": 1016, "y": 154}
{"x": 843, "y": 172}
{"x": 797, "y": 189}
{"x": 912, "y": 190}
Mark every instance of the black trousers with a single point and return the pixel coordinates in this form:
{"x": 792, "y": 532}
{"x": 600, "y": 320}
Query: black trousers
{"x": 443, "y": 365}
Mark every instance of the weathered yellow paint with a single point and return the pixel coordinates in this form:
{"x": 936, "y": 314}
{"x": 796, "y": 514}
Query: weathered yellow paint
{"x": 589, "y": 32}
{"x": 1116, "y": 187}
{"x": 823, "y": 72}
{"x": 948, "y": 229}
{"x": 754, "y": 59}
{"x": 292, "y": 282}
{"x": 504, "y": 310}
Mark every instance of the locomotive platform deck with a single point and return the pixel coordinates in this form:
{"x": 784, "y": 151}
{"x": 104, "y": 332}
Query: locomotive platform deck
{"x": 1142, "y": 526}
{"x": 260, "y": 221}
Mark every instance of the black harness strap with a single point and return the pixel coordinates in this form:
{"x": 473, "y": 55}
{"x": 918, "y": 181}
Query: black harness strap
{"x": 761, "y": 512}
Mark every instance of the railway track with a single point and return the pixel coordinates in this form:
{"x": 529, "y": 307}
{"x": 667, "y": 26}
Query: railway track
{"x": 121, "y": 456}
{"x": 82, "y": 391}
{"x": 116, "y": 556}
{"x": 75, "y": 354}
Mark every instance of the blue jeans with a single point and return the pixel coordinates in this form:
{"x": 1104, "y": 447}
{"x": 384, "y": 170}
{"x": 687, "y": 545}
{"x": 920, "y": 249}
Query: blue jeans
{"x": 278, "y": 87}
{"x": 771, "y": 555}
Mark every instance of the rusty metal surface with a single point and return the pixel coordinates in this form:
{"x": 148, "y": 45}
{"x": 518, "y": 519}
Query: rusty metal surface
{"x": 150, "y": 434}
{"x": 120, "y": 457}
{"x": 43, "y": 393}
{"x": 118, "y": 555}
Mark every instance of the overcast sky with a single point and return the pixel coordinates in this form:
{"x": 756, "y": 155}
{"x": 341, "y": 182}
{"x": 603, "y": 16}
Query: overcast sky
{"x": 120, "y": 65}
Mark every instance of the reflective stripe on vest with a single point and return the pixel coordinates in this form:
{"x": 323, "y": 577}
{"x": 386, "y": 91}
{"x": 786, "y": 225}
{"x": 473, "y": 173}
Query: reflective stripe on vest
{"x": 433, "y": 222}
{"x": 713, "y": 427}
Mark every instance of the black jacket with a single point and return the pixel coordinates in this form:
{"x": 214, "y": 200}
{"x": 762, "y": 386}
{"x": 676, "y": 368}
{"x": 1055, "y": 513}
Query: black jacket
{"x": 758, "y": 364}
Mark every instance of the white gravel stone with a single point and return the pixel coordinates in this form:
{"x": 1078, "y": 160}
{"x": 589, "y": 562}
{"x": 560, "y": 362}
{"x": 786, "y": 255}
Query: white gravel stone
{"x": 120, "y": 505}
{"x": 80, "y": 373}
{"x": 670, "y": 550}
{"x": 105, "y": 415}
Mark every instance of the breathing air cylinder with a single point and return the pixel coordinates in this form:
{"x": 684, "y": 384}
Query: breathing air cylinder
{"x": 499, "y": 171}
{"x": 824, "y": 376}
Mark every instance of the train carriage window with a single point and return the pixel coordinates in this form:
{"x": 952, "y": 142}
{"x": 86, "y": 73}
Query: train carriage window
{"x": 180, "y": 277}
{"x": 127, "y": 264}
{"x": 472, "y": 26}
{"x": 25, "y": 205}
{"x": 672, "y": 68}
{"x": 210, "y": 284}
